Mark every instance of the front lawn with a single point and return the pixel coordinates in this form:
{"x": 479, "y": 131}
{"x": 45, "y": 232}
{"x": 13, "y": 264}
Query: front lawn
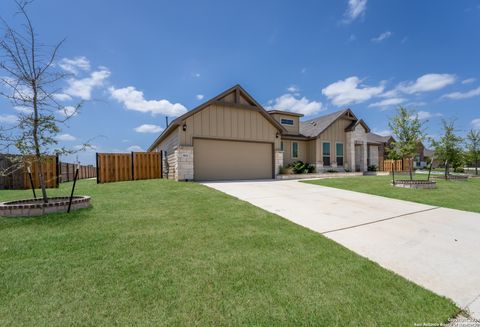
{"x": 160, "y": 252}
{"x": 463, "y": 195}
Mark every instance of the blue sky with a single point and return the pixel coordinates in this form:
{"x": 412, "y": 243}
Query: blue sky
{"x": 135, "y": 61}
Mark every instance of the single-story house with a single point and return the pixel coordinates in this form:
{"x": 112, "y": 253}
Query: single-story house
{"x": 231, "y": 136}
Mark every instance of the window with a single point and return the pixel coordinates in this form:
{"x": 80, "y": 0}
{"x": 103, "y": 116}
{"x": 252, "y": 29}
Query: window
{"x": 286, "y": 121}
{"x": 281, "y": 145}
{"x": 326, "y": 153}
{"x": 339, "y": 154}
{"x": 294, "y": 150}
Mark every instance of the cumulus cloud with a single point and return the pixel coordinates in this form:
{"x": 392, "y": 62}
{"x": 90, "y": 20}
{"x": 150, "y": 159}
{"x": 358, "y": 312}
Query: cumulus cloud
{"x": 427, "y": 83}
{"x": 423, "y": 115}
{"x": 382, "y": 37}
{"x": 23, "y": 110}
{"x": 355, "y": 9}
{"x": 133, "y": 99}
{"x": 83, "y": 87}
{"x": 8, "y": 119}
{"x": 75, "y": 65}
{"x": 383, "y": 132}
{"x": 292, "y": 103}
{"x": 65, "y": 137}
{"x": 148, "y": 128}
{"x": 350, "y": 91}
{"x": 476, "y": 123}
{"x": 293, "y": 89}
{"x": 462, "y": 95}
{"x": 135, "y": 148}
{"x": 387, "y": 103}
{"x": 62, "y": 97}
{"x": 199, "y": 96}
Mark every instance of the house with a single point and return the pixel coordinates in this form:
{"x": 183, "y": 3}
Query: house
{"x": 231, "y": 136}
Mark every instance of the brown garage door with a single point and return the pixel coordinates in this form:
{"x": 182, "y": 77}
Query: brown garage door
{"x": 228, "y": 160}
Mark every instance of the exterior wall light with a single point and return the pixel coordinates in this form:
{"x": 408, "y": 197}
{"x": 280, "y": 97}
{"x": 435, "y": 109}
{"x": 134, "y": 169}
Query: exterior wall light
{"x": 184, "y": 127}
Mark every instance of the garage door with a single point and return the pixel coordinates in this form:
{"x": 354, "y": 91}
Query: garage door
{"x": 228, "y": 160}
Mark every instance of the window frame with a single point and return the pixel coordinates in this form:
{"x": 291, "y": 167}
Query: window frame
{"x": 329, "y": 163}
{"x": 284, "y": 121}
{"x": 343, "y": 153}
{"x": 298, "y": 150}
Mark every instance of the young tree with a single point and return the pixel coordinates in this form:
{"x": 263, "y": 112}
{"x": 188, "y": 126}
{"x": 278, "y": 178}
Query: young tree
{"x": 449, "y": 147}
{"x": 29, "y": 79}
{"x": 473, "y": 147}
{"x": 408, "y": 132}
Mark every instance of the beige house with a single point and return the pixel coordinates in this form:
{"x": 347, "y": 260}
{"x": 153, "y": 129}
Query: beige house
{"x": 233, "y": 137}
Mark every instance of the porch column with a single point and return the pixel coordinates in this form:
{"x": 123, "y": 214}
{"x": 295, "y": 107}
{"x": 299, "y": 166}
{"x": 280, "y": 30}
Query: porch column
{"x": 350, "y": 151}
{"x": 365, "y": 156}
{"x": 278, "y": 161}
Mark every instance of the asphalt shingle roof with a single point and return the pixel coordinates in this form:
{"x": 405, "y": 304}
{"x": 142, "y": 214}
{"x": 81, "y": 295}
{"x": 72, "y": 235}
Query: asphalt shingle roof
{"x": 313, "y": 127}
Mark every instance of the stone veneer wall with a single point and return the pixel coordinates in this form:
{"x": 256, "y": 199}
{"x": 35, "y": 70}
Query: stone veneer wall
{"x": 183, "y": 163}
{"x": 278, "y": 161}
{"x": 358, "y": 135}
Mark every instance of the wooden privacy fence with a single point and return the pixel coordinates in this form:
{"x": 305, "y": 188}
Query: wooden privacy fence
{"x": 67, "y": 171}
{"x": 18, "y": 177}
{"x": 116, "y": 167}
{"x": 396, "y": 165}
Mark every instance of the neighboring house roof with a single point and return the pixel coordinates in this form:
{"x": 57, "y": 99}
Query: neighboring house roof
{"x": 376, "y": 138}
{"x": 239, "y": 91}
{"x": 428, "y": 152}
{"x": 313, "y": 127}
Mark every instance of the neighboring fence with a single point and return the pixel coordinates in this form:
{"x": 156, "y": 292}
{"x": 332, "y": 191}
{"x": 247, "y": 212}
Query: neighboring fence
{"x": 396, "y": 165}
{"x": 17, "y": 177}
{"x": 116, "y": 167}
{"x": 67, "y": 171}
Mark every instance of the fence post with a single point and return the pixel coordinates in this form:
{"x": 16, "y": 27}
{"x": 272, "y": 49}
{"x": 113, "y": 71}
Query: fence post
{"x": 96, "y": 159}
{"x": 161, "y": 164}
{"x": 133, "y": 165}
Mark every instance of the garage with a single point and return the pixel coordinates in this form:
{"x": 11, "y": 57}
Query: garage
{"x": 231, "y": 160}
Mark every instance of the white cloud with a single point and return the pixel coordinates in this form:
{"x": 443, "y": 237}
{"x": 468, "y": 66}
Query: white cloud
{"x": 303, "y": 70}
{"x": 23, "y": 110}
{"x": 148, "y": 128}
{"x": 382, "y": 37}
{"x": 293, "y": 89}
{"x": 62, "y": 97}
{"x": 469, "y": 80}
{"x": 427, "y": 83}
{"x": 8, "y": 119}
{"x": 356, "y": 9}
{"x": 135, "y": 148}
{"x": 350, "y": 91}
{"x": 75, "y": 65}
{"x": 133, "y": 99}
{"x": 291, "y": 103}
{"x": 462, "y": 95}
{"x": 423, "y": 115}
{"x": 197, "y": 75}
{"x": 65, "y": 137}
{"x": 83, "y": 87}
{"x": 199, "y": 96}
{"x": 387, "y": 103}
{"x": 68, "y": 111}
{"x": 476, "y": 123}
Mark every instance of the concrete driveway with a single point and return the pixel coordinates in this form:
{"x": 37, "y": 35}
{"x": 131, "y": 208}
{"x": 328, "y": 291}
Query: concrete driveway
{"x": 435, "y": 247}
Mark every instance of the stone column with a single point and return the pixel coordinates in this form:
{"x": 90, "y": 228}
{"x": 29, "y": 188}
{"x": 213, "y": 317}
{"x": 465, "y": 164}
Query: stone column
{"x": 184, "y": 163}
{"x": 278, "y": 161}
{"x": 365, "y": 156}
{"x": 319, "y": 167}
{"x": 350, "y": 151}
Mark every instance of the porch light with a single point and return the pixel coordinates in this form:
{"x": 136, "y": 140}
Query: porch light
{"x": 277, "y": 135}
{"x": 184, "y": 127}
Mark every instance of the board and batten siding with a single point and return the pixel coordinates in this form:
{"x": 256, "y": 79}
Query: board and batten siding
{"x": 291, "y": 129}
{"x": 169, "y": 143}
{"x": 287, "y": 152}
{"x": 334, "y": 134}
{"x": 221, "y": 121}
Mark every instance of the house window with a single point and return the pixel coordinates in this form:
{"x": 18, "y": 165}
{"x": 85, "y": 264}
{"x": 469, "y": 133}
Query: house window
{"x": 294, "y": 150}
{"x": 326, "y": 153}
{"x": 287, "y": 121}
{"x": 339, "y": 154}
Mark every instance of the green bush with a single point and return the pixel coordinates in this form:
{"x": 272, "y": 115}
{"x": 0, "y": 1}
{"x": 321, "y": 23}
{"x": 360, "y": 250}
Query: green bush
{"x": 300, "y": 167}
{"x": 372, "y": 168}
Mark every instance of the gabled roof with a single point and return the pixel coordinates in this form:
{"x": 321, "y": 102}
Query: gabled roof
{"x": 288, "y": 113}
{"x": 313, "y": 127}
{"x": 376, "y": 138}
{"x": 241, "y": 99}
{"x": 354, "y": 124}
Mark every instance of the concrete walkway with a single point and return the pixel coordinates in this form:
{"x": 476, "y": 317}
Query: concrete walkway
{"x": 437, "y": 248}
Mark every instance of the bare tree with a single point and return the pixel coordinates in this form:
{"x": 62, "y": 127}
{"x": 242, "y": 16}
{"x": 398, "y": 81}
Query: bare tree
{"x": 29, "y": 79}
{"x": 473, "y": 147}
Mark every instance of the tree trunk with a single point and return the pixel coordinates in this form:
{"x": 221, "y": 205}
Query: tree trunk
{"x": 38, "y": 154}
{"x": 476, "y": 166}
{"x": 446, "y": 169}
{"x": 410, "y": 168}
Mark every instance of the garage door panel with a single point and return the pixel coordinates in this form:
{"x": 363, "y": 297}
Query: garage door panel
{"x": 229, "y": 160}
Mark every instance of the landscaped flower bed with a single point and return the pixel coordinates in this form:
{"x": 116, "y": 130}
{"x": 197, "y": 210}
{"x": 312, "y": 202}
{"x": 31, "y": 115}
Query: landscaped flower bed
{"x": 36, "y": 207}
{"x": 407, "y": 183}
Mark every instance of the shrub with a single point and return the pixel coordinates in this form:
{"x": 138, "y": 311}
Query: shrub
{"x": 372, "y": 168}
{"x": 332, "y": 171}
{"x": 299, "y": 167}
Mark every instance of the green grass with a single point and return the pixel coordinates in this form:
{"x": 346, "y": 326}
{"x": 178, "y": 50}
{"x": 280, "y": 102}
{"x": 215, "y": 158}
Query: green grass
{"x": 461, "y": 195}
{"x": 160, "y": 252}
